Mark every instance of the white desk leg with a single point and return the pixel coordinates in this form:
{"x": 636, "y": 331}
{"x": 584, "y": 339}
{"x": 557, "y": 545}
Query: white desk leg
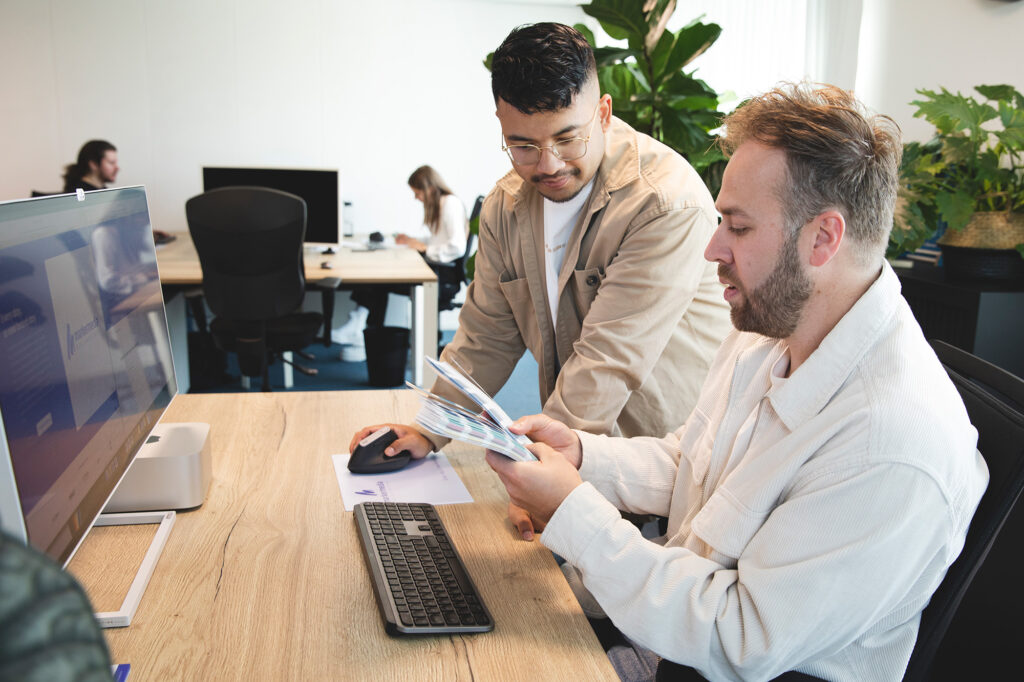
{"x": 286, "y": 364}
{"x": 424, "y": 325}
{"x": 429, "y": 321}
{"x": 417, "y": 335}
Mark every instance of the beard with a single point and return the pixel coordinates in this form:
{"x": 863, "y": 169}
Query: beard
{"x": 571, "y": 172}
{"x": 773, "y": 309}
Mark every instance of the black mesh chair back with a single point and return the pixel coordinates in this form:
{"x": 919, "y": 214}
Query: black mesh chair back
{"x": 972, "y": 628}
{"x": 451, "y": 277}
{"x": 249, "y": 241}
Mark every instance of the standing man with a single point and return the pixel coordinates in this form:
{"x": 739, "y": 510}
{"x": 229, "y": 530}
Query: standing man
{"x": 590, "y": 256}
{"x": 95, "y": 169}
{"x": 826, "y": 479}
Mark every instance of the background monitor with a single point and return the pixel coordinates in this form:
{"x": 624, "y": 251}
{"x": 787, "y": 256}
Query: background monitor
{"x": 85, "y": 360}
{"x": 319, "y": 188}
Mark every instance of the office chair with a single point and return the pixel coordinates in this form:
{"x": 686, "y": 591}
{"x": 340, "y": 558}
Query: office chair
{"x": 49, "y": 629}
{"x": 451, "y": 276}
{"x": 972, "y": 629}
{"x": 249, "y": 241}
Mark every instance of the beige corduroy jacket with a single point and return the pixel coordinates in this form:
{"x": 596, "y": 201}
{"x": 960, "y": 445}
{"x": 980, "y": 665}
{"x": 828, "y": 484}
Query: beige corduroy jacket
{"x": 640, "y": 312}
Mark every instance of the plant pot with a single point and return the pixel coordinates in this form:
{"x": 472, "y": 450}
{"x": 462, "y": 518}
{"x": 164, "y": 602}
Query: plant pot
{"x": 985, "y": 248}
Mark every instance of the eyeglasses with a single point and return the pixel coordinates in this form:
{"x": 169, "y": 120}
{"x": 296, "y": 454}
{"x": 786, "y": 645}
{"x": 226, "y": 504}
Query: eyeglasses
{"x": 563, "y": 150}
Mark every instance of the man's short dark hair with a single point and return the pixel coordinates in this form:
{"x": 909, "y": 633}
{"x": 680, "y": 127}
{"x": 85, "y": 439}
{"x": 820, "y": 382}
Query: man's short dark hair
{"x": 541, "y": 67}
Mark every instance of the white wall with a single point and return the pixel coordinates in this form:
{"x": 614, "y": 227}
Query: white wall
{"x": 957, "y": 44}
{"x": 374, "y": 89}
{"x": 371, "y": 88}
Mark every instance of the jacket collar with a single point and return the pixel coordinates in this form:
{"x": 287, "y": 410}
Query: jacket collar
{"x": 821, "y": 376}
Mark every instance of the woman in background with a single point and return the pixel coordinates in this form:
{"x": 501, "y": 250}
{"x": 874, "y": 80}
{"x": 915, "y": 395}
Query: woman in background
{"x": 445, "y": 217}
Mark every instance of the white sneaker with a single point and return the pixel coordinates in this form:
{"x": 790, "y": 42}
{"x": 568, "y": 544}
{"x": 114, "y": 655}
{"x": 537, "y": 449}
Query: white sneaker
{"x": 351, "y": 333}
{"x": 353, "y": 353}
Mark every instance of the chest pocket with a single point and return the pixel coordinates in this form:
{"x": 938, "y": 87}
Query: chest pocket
{"x": 585, "y": 284}
{"x": 726, "y": 526}
{"x": 517, "y": 293}
{"x": 695, "y": 446}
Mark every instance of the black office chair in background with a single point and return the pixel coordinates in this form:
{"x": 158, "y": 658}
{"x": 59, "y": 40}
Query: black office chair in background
{"x": 972, "y": 628}
{"x": 249, "y": 241}
{"x": 451, "y": 276}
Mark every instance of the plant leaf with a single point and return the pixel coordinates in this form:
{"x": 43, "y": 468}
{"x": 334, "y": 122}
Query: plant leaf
{"x": 950, "y": 113}
{"x": 1005, "y": 93}
{"x": 620, "y": 19}
{"x": 956, "y": 208}
{"x": 657, "y": 16}
{"x": 691, "y": 42}
{"x": 587, "y": 33}
{"x": 606, "y": 56}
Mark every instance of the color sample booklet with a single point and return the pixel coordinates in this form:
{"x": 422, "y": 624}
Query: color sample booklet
{"x": 489, "y": 429}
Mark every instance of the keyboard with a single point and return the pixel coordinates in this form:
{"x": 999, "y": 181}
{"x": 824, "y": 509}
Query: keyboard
{"x": 421, "y": 584}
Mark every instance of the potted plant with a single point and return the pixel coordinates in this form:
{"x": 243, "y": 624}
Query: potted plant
{"x": 970, "y": 178}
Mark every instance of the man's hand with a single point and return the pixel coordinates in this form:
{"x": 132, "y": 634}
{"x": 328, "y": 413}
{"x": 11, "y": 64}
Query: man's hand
{"x": 538, "y": 487}
{"x": 411, "y": 242}
{"x": 523, "y": 522}
{"x": 541, "y": 428}
{"x": 408, "y": 439}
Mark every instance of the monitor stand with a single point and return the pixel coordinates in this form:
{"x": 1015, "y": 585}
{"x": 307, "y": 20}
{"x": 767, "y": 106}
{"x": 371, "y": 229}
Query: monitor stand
{"x": 123, "y": 617}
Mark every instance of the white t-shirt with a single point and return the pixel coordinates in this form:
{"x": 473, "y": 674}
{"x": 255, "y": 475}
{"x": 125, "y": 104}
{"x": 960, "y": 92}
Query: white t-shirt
{"x": 559, "y": 219}
{"x": 450, "y": 240}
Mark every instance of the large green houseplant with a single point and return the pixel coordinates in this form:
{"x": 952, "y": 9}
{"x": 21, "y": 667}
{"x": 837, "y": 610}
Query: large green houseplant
{"x": 969, "y": 176}
{"x": 650, "y": 88}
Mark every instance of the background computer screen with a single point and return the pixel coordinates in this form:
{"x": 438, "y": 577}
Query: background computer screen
{"x": 85, "y": 361}
{"x": 318, "y": 187}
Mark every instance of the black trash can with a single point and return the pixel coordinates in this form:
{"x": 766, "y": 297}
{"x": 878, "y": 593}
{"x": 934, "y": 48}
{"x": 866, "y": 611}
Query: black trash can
{"x": 387, "y": 352}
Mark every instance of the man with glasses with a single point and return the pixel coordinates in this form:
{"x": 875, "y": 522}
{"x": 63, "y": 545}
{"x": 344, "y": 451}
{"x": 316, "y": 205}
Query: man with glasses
{"x": 590, "y": 256}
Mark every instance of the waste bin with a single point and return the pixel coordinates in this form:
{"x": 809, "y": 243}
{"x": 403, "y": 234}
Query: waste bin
{"x": 387, "y": 351}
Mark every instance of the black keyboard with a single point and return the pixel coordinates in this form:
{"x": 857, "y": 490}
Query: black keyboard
{"x": 421, "y": 584}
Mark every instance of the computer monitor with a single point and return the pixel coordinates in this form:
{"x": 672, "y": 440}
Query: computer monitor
{"x": 319, "y": 188}
{"x": 85, "y": 359}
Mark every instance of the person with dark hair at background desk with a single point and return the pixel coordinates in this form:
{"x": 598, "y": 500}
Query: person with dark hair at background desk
{"x": 826, "y": 479}
{"x": 96, "y": 168}
{"x": 445, "y": 217}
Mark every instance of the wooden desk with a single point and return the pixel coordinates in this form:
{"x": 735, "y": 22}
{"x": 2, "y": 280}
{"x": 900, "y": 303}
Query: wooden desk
{"x": 179, "y": 265}
{"x": 266, "y": 580}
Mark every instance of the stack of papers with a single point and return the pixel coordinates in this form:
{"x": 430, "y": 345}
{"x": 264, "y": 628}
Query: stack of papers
{"x": 488, "y": 429}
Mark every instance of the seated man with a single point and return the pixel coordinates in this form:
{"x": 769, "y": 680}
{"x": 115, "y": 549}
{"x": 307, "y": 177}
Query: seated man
{"x": 826, "y": 478}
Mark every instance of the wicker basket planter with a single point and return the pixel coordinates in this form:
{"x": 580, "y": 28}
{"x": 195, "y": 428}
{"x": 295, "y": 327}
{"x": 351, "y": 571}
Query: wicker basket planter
{"x": 986, "y": 248}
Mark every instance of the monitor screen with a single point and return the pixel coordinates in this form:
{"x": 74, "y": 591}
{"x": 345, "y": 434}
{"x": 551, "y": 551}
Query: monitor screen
{"x": 85, "y": 360}
{"x": 319, "y": 188}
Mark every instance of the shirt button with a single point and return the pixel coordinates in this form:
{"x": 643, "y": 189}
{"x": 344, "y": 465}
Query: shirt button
{"x": 592, "y": 280}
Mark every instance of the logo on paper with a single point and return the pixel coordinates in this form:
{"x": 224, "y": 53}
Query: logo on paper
{"x": 75, "y": 337}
